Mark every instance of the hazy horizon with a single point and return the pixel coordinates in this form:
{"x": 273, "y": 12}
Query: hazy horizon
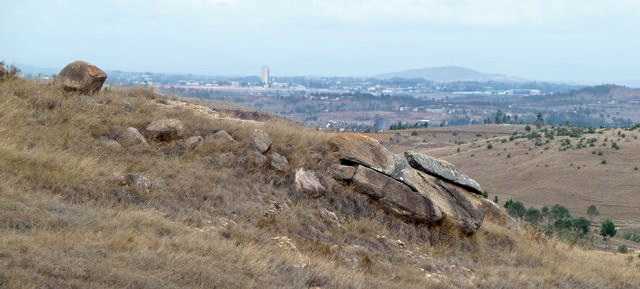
{"x": 573, "y": 41}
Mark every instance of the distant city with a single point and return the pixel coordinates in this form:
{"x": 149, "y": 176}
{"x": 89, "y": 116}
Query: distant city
{"x": 406, "y": 99}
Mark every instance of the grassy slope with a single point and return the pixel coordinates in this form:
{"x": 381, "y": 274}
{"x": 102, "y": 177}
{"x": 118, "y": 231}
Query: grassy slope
{"x": 64, "y": 222}
{"x": 545, "y": 175}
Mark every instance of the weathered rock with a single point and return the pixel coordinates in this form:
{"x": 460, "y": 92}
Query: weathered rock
{"x": 308, "y": 183}
{"x": 362, "y": 150}
{"x": 279, "y": 162}
{"x": 132, "y": 137}
{"x": 395, "y": 196}
{"x": 110, "y": 143}
{"x": 441, "y": 169}
{"x": 343, "y": 173}
{"x": 193, "y": 142}
{"x": 165, "y": 129}
{"x": 457, "y": 204}
{"x": 220, "y": 138}
{"x": 260, "y": 140}
{"x": 83, "y": 77}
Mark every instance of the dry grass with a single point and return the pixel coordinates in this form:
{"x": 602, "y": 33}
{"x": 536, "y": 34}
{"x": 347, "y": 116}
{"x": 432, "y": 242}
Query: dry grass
{"x": 206, "y": 223}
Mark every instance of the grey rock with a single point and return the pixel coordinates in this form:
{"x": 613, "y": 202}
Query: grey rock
{"x": 110, "y": 143}
{"x": 308, "y": 183}
{"x": 359, "y": 149}
{"x": 441, "y": 169}
{"x": 220, "y": 138}
{"x": 279, "y": 162}
{"x": 165, "y": 129}
{"x": 132, "y": 137}
{"x": 260, "y": 140}
{"x": 395, "y": 196}
{"x": 193, "y": 142}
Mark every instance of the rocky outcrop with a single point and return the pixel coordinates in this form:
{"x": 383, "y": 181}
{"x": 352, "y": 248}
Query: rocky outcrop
{"x": 82, "y": 77}
{"x": 412, "y": 186}
{"x": 441, "y": 169}
{"x": 167, "y": 129}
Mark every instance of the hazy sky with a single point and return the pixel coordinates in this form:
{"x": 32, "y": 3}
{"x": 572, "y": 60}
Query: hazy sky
{"x": 570, "y": 40}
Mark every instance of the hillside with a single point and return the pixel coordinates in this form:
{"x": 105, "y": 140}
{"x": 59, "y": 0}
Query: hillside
{"x": 448, "y": 74}
{"x": 125, "y": 188}
{"x": 542, "y": 171}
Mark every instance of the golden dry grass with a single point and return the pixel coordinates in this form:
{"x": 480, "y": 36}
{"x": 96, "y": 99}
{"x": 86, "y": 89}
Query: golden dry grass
{"x": 206, "y": 223}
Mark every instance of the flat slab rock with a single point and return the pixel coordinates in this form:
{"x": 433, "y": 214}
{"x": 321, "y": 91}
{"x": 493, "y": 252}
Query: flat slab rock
{"x": 362, "y": 150}
{"x": 441, "y": 169}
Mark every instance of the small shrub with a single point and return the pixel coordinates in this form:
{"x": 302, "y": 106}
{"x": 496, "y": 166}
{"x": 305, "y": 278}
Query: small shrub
{"x": 623, "y": 249}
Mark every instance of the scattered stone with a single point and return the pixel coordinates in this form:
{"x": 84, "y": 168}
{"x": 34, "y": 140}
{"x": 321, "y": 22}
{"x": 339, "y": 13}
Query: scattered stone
{"x": 193, "y": 142}
{"x": 82, "y": 77}
{"x": 220, "y": 138}
{"x": 165, "y": 129}
{"x": 441, "y": 169}
{"x": 330, "y": 217}
{"x": 139, "y": 182}
{"x": 260, "y": 140}
{"x": 307, "y": 182}
{"x": 110, "y": 143}
{"x": 132, "y": 137}
{"x": 279, "y": 162}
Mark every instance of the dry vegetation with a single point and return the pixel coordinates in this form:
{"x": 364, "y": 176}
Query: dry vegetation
{"x": 213, "y": 219}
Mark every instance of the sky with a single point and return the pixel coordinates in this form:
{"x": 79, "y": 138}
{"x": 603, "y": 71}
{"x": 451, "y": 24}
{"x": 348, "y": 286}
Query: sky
{"x": 583, "y": 41}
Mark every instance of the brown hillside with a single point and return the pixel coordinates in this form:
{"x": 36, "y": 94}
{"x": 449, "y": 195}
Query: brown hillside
{"x": 128, "y": 189}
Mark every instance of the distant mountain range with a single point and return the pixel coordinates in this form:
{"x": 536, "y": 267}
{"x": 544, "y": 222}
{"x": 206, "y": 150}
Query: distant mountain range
{"x": 449, "y": 74}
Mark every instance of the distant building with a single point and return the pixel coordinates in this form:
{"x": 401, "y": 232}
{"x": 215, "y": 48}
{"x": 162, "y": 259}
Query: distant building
{"x": 379, "y": 123}
{"x": 265, "y": 76}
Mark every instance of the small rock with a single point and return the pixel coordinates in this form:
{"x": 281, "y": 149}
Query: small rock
{"x": 83, "y": 77}
{"x": 307, "y": 182}
{"x": 110, "y": 143}
{"x": 330, "y": 217}
{"x": 139, "y": 182}
{"x": 132, "y": 137}
{"x": 220, "y": 138}
{"x": 279, "y": 162}
{"x": 260, "y": 140}
{"x": 193, "y": 142}
{"x": 165, "y": 129}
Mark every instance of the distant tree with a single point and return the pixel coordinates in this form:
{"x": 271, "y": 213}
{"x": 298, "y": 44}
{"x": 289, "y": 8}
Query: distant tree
{"x": 515, "y": 208}
{"x": 623, "y": 249}
{"x": 527, "y": 128}
{"x": 539, "y": 120}
{"x": 495, "y": 200}
{"x": 592, "y": 211}
{"x": 581, "y": 225}
{"x": 533, "y": 216}
{"x": 608, "y": 229}
{"x": 559, "y": 213}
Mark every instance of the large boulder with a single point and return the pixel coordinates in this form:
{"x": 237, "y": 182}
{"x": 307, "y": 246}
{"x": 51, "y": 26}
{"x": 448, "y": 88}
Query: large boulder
{"x": 352, "y": 149}
{"x": 441, "y": 169}
{"x": 395, "y": 196}
{"x": 220, "y": 138}
{"x": 167, "y": 129}
{"x": 82, "y": 77}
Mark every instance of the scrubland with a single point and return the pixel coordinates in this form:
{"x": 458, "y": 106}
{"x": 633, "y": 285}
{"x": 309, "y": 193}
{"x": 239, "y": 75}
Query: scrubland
{"x": 212, "y": 218}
